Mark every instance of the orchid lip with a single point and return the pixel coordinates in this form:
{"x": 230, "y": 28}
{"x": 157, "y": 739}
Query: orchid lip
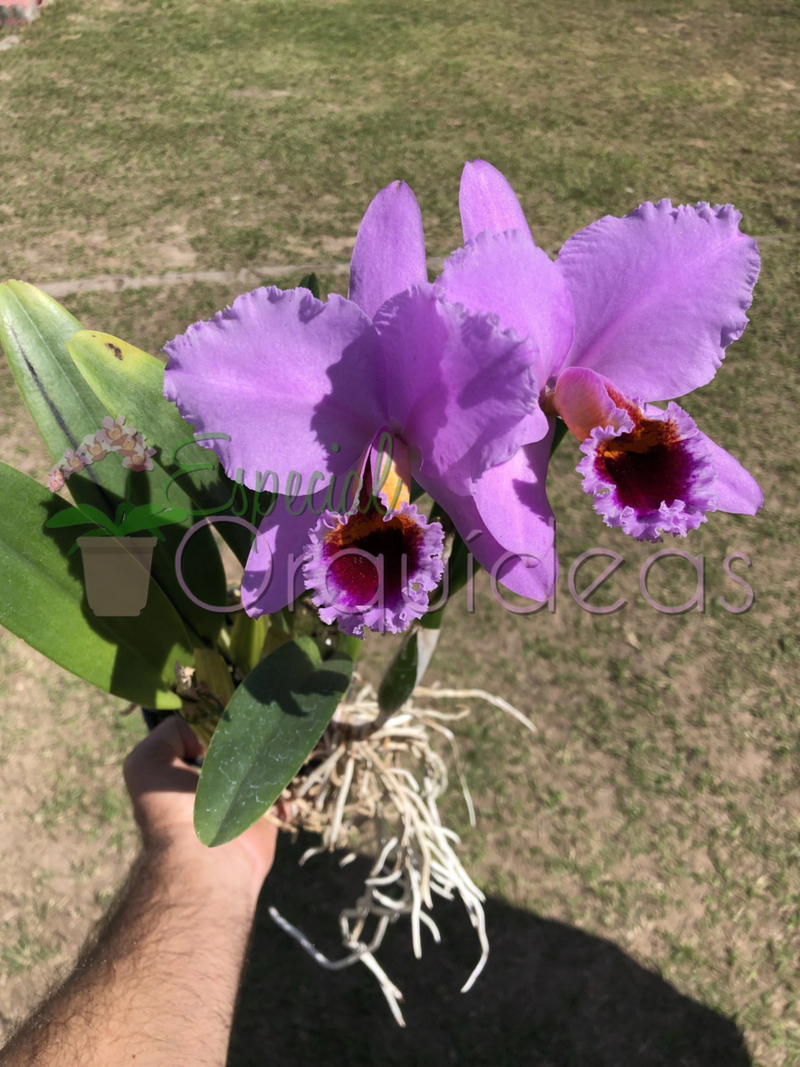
{"x": 651, "y": 475}
{"x": 373, "y": 568}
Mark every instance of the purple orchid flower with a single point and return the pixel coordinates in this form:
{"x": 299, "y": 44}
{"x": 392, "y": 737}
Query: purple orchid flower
{"x": 308, "y": 393}
{"x": 636, "y": 310}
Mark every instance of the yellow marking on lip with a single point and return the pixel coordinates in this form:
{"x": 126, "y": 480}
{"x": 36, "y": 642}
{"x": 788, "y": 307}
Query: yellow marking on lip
{"x": 393, "y": 478}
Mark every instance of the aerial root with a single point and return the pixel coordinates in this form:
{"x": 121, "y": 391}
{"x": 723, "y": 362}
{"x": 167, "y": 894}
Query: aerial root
{"x": 388, "y": 777}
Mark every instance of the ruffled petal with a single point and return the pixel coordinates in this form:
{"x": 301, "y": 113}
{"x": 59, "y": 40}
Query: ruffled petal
{"x": 737, "y": 490}
{"x": 659, "y": 295}
{"x": 519, "y": 546}
{"x": 296, "y": 384}
{"x": 389, "y": 254}
{"x": 488, "y": 202}
{"x": 373, "y": 569}
{"x": 283, "y": 536}
{"x": 507, "y": 275}
{"x": 462, "y": 393}
{"x": 651, "y": 477}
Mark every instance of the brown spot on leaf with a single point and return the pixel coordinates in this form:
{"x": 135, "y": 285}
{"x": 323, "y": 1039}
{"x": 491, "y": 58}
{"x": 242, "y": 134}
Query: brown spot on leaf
{"x": 115, "y": 349}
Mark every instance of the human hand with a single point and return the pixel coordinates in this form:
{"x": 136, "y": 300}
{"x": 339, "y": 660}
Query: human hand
{"x": 162, "y": 788}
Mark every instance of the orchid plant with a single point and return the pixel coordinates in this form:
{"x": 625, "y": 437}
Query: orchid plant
{"x": 325, "y": 422}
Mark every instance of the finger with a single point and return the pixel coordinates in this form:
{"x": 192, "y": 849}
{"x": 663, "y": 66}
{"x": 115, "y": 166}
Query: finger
{"x": 176, "y": 737}
{"x": 172, "y": 742}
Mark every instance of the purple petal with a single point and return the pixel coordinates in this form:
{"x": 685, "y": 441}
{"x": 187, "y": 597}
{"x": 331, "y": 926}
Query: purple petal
{"x": 267, "y": 584}
{"x": 506, "y": 274}
{"x": 287, "y": 378}
{"x": 513, "y": 502}
{"x": 460, "y": 391}
{"x": 737, "y": 490}
{"x": 508, "y": 524}
{"x": 389, "y": 254}
{"x": 356, "y": 571}
{"x": 659, "y": 295}
{"x": 488, "y": 202}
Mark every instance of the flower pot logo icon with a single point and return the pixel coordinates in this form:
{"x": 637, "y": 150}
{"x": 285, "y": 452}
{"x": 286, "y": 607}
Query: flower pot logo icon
{"x": 117, "y": 573}
{"x": 116, "y": 562}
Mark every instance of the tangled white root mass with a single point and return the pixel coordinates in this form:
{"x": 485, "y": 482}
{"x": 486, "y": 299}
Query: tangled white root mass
{"x": 382, "y": 772}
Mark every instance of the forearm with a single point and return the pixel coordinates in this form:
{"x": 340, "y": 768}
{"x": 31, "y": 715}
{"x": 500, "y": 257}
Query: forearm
{"x": 131, "y": 1000}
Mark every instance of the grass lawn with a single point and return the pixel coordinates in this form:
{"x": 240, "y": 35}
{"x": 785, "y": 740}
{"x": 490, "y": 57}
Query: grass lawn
{"x": 641, "y": 851}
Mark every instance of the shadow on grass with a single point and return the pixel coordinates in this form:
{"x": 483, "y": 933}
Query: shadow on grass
{"x": 551, "y": 996}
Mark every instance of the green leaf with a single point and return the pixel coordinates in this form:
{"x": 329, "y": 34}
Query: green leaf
{"x": 79, "y": 516}
{"x": 201, "y": 565}
{"x": 558, "y": 436}
{"x": 407, "y": 669}
{"x": 398, "y": 682}
{"x": 149, "y": 516}
{"x": 42, "y": 600}
{"x": 350, "y": 645}
{"x": 33, "y": 332}
{"x": 130, "y": 382}
{"x": 268, "y": 729}
{"x": 247, "y": 641}
{"x": 310, "y": 282}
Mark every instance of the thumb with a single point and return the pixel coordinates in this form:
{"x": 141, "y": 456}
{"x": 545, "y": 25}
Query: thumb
{"x": 170, "y": 744}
